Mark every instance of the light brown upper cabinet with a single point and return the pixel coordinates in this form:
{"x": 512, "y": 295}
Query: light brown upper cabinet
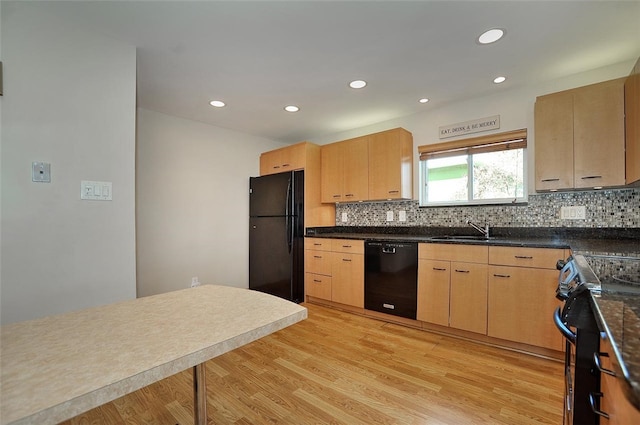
{"x": 369, "y": 168}
{"x": 632, "y": 124}
{"x": 579, "y": 137}
{"x": 345, "y": 170}
{"x": 391, "y": 165}
{"x": 284, "y": 159}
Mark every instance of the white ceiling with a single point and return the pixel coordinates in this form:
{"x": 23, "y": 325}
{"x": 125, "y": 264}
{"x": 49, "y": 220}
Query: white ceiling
{"x": 260, "y": 56}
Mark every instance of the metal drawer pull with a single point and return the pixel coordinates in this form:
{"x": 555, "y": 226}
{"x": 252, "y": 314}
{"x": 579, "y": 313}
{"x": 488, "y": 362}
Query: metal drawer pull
{"x": 524, "y": 257}
{"x": 286, "y": 165}
{"x": 389, "y": 306}
{"x": 317, "y": 256}
{"x": 462, "y": 271}
{"x": 346, "y": 259}
{"x": 394, "y": 191}
{"x": 590, "y": 177}
{"x": 598, "y": 363}
{"x": 337, "y": 196}
{"x": 501, "y": 275}
{"x": 317, "y": 281}
{"x": 276, "y": 166}
{"x": 592, "y": 402}
{"x": 346, "y": 246}
{"x": 439, "y": 269}
{"x": 350, "y": 195}
{"x": 317, "y": 244}
{"x": 550, "y": 180}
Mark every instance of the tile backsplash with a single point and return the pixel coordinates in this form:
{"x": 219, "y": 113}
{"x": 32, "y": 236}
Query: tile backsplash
{"x": 604, "y": 208}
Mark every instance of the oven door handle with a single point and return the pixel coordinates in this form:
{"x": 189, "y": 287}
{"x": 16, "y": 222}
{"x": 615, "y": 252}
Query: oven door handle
{"x": 564, "y": 330}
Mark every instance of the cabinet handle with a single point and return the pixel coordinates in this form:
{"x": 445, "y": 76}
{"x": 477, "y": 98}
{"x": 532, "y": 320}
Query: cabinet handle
{"x": 346, "y": 246}
{"x": 349, "y": 195}
{"x": 317, "y": 244}
{"x": 524, "y": 257}
{"x": 317, "y": 281}
{"x": 550, "y": 180}
{"x": 592, "y": 403}
{"x": 590, "y": 177}
{"x": 346, "y": 259}
{"x": 462, "y": 271}
{"x": 337, "y": 196}
{"x": 317, "y": 256}
{"x": 276, "y": 166}
{"x": 394, "y": 191}
{"x": 440, "y": 269}
{"x": 501, "y": 275}
{"x": 598, "y": 363}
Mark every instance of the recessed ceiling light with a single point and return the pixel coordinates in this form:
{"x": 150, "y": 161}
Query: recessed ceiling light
{"x": 357, "y": 84}
{"x": 217, "y": 103}
{"x": 491, "y": 36}
{"x": 423, "y": 100}
{"x": 499, "y": 80}
{"x": 291, "y": 108}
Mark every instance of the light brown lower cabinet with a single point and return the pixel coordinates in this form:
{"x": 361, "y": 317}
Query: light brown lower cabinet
{"x": 334, "y": 270}
{"x": 434, "y": 277}
{"x": 523, "y": 315}
{"x": 468, "y": 299}
{"x": 614, "y": 402}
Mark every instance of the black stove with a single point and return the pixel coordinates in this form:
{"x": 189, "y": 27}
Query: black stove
{"x": 582, "y": 276}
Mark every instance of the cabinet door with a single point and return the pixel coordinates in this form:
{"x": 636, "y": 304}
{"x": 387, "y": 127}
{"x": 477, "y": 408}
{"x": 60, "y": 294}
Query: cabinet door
{"x": 554, "y": 141}
{"x": 433, "y": 291}
{"x": 331, "y": 173}
{"x": 468, "y": 301}
{"x": 526, "y": 316}
{"x": 270, "y": 162}
{"x": 390, "y": 165}
{"x": 318, "y": 286}
{"x": 632, "y": 124}
{"x": 598, "y": 135}
{"x": 355, "y": 154}
{"x": 293, "y": 157}
{"x": 318, "y": 262}
{"x": 347, "y": 285}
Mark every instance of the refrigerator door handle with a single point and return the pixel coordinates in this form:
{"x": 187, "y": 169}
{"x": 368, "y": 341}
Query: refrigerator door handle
{"x": 288, "y": 214}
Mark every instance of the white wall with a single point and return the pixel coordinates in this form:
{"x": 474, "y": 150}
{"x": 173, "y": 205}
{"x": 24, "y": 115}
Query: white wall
{"x": 69, "y": 99}
{"x": 192, "y": 191}
{"x": 515, "y": 107}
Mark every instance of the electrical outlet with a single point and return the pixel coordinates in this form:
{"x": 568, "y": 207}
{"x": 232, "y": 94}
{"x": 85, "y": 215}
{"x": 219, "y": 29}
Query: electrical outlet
{"x": 389, "y": 215}
{"x": 195, "y": 282}
{"x": 577, "y": 212}
{"x": 402, "y": 215}
{"x": 344, "y": 217}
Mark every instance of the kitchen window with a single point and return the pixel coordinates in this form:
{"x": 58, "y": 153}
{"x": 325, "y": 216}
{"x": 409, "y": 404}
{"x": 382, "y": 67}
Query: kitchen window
{"x": 482, "y": 170}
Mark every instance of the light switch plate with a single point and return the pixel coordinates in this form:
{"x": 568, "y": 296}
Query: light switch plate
{"x": 389, "y": 215}
{"x": 343, "y": 217}
{"x": 96, "y": 191}
{"x": 402, "y": 215}
{"x": 41, "y": 172}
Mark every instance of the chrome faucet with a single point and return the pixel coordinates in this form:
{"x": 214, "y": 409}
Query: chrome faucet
{"x": 484, "y": 231}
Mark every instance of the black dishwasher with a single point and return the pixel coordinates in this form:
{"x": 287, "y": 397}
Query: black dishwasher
{"x": 391, "y": 278}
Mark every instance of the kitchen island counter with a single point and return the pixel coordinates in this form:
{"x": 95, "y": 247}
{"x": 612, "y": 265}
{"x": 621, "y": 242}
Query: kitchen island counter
{"x": 57, "y": 367}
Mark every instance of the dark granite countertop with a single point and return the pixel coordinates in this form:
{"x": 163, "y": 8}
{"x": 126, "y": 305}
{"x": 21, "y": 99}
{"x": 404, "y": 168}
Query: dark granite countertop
{"x": 617, "y": 307}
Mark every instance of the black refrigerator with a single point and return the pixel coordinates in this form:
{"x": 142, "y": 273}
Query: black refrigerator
{"x": 276, "y": 235}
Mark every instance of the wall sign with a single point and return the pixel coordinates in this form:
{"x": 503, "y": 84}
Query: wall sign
{"x": 467, "y": 127}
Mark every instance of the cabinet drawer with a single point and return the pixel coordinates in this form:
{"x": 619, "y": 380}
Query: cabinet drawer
{"x": 541, "y": 258}
{"x": 453, "y": 252}
{"x": 318, "y": 286}
{"x": 317, "y": 262}
{"x": 319, "y": 244}
{"x": 347, "y": 245}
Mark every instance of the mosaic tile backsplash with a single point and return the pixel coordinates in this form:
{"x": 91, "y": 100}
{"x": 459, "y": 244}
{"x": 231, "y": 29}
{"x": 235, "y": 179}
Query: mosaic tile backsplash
{"x": 604, "y": 208}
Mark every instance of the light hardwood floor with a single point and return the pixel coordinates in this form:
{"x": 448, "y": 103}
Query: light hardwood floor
{"x": 340, "y": 368}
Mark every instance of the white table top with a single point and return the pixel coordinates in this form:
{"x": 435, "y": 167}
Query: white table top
{"x": 57, "y": 367}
